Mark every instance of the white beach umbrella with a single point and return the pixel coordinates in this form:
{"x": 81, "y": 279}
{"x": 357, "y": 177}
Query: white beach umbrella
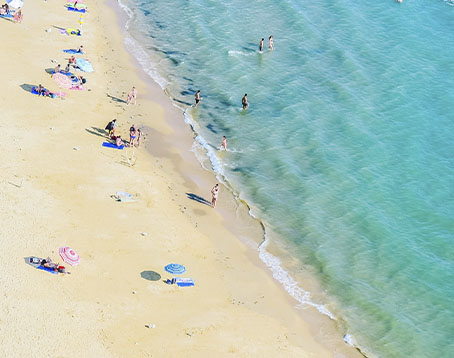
{"x": 16, "y": 4}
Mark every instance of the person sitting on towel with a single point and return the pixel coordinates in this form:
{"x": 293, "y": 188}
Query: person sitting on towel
{"x": 81, "y": 49}
{"x": 67, "y": 68}
{"x": 72, "y": 60}
{"x": 82, "y": 80}
{"x": 118, "y": 141}
{"x": 40, "y": 89}
{"x": 57, "y": 69}
{"x": 49, "y": 264}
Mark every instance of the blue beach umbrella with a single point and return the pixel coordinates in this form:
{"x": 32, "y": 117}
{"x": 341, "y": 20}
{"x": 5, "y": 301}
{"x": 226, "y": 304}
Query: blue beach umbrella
{"x": 16, "y": 4}
{"x": 175, "y": 269}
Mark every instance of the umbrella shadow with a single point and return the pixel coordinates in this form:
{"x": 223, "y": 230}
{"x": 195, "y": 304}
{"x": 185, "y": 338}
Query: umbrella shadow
{"x": 97, "y": 131}
{"x": 116, "y": 99}
{"x": 150, "y": 275}
{"x": 50, "y": 71}
{"x": 198, "y": 198}
{"x": 7, "y": 18}
{"x": 29, "y": 260}
{"x": 27, "y": 87}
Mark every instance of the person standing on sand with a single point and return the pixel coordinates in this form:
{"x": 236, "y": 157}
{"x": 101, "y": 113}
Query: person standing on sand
{"x": 132, "y": 96}
{"x": 139, "y": 137}
{"x": 261, "y": 44}
{"x": 214, "y": 195}
{"x": 197, "y": 98}
{"x": 132, "y": 135}
{"x": 111, "y": 126}
{"x": 244, "y": 102}
{"x": 271, "y": 43}
{"x": 224, "y": 143}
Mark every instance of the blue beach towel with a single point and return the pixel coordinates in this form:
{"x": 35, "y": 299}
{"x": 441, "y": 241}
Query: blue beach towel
{"x": 7, "y": 16}
{"x": 112, "y": 145}
{"x": 47, "y": 269}
{"x": 72, "y": 51}
{"x": 70, "y": 8}
{"x": 184, "y": 282}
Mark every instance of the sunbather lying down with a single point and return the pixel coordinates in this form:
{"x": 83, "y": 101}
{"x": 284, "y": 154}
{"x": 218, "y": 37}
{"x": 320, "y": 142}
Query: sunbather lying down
{"x": 55, "y": 266}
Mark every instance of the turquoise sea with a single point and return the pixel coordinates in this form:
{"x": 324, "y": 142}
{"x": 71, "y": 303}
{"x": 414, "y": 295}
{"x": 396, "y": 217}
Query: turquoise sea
{"x": 346, "y": 152}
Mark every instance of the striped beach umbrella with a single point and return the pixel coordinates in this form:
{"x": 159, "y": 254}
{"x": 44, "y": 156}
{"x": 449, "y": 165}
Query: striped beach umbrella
{"x": 62, "y": 80}
{"x": 69, "y": 255}
{"x": 175, "y": 269}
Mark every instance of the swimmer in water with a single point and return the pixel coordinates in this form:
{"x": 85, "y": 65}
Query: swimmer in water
{"x": 261, "y": 45}
{"x": 244, "y": 102}
{"x": 270, "y": 43}
{"x": 224, "y": 143}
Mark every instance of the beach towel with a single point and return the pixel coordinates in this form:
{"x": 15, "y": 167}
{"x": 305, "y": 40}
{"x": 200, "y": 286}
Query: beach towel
{"x": 74, "y": 32}
{"x": 47, "y": 269}
{"x": 84, "y": 65}
{"x": 112, "y": 145}
{"x": 7, "y": 16}
{"x": 58, "y": 94}
{"x": 72, "y": 51}
{"x": 70, "y": 8}
{"x": 184, "y": 282}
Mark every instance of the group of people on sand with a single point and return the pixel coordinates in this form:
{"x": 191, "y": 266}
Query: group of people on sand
{"x": 135, "y": 135}
{"x": 5, "y": 10}
{"x": 43, "y": 91}
{"x": 47, "y": 263}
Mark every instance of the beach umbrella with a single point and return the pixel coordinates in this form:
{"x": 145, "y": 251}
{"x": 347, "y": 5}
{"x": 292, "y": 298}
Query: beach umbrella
{"x": 84, "y": 65}
{"x": 175, "y": 269}
{"x": 16, "y": 4}
{"x": 62, "y": 80}
{"x": 69, "y": 255}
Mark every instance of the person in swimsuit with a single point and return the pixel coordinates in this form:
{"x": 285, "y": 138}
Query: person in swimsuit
{"x": 224, "y": 143}
{"x": 132, "y": 96}
{"x": 244, "y": 102}
{"x": 271, "y": 42}
{"x": 214, "y": 195}
{"x": 40, "y": 89}
{"x": 111, "y": 126}
{"x": 81, "y": 49}
{"x": 57, "y": 69}
{"x": 197, "y": 98}
{"x": 261, "y": 45}
{"x": 118, "y": 141}
{"x": 132, "y": 135}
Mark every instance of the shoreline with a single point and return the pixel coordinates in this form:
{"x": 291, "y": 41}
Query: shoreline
{"x": 237, "y": 208}
{"x": 63, "y": 181}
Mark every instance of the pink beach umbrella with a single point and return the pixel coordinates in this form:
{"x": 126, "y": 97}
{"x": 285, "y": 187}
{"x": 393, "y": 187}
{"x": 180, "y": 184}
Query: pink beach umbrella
{"x": 62, "y": 80}
{"x": 69, "y": 255}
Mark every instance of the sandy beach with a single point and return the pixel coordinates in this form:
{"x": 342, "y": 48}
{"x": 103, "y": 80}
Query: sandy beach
{"x": 56, "y": 188}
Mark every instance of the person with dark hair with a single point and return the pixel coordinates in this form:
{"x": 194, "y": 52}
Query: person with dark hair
{"x": 244, "y": 102}
{"x": 261, "y": 44}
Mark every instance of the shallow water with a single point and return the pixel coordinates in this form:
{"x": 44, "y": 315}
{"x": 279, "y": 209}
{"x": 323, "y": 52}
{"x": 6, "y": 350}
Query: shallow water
{"x": 345, "y": 151}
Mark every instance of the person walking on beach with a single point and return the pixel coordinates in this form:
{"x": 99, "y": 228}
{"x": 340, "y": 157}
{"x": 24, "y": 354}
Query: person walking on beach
{"x": 132, "y": 135}
{"x": 271, "y": 43}
{"x": 111, "y": 126}
{"x": 224, "y": 143}
{"x": 139, "y": 137}
{"x": 261, "y": 45}
{"x": 132, "y": 96}
{"x": 244, "y": 102}
{"x": 214, "y": 195}
{"x": 197, "y": 98}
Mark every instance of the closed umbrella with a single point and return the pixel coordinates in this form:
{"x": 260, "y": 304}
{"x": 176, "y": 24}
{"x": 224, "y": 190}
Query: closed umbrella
{"x": 62, "y": 80}
{"x": 69, "y": 255}
{"x": 16, "y": 4}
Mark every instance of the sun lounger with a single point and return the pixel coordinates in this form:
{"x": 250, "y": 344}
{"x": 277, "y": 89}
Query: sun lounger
{"x": 184, "y": 282}
{"x": 112, "y": 145}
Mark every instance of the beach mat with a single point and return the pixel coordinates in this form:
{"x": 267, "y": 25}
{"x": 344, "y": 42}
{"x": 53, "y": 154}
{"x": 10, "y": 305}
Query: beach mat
{"x": 73, "y": 32}
{"x": 70, "y": 8}
{"x": 112, "y": 145}
{"x": 184, "y": 282}
{"x": 72, "y": 51}
{"x": 47, "y": 269}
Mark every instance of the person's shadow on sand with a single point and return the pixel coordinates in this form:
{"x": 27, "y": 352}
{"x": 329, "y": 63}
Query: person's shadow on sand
{"x": 97, "y": 131}
{"x": 26, "y": 87}
{"x": 116, "y": 99}
{"x": 198, "y": 198}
